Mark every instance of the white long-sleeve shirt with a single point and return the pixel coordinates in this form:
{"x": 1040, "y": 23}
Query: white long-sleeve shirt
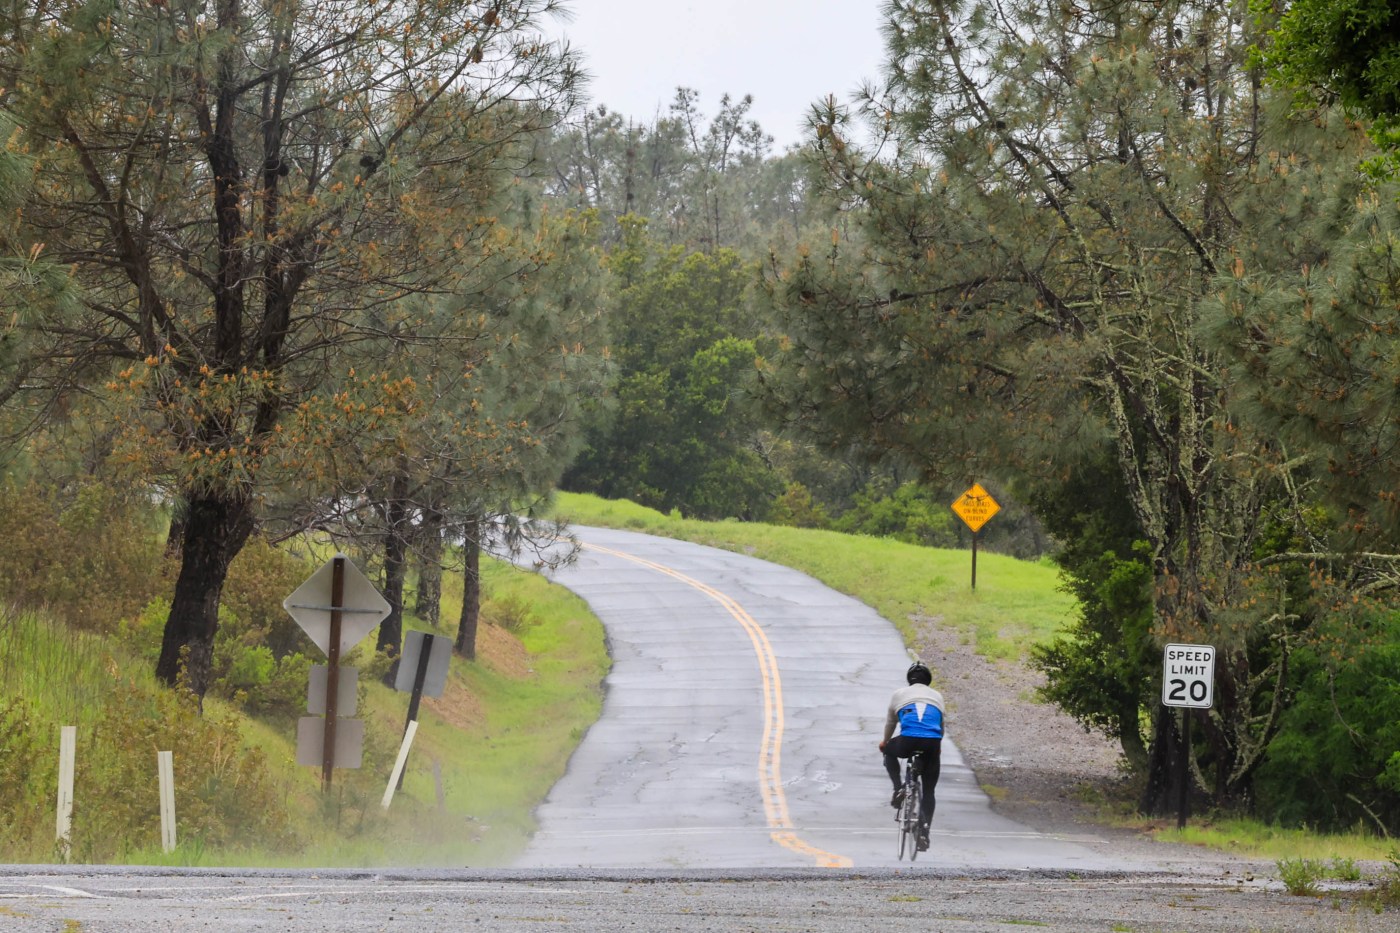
{"x": 917, "y": 710}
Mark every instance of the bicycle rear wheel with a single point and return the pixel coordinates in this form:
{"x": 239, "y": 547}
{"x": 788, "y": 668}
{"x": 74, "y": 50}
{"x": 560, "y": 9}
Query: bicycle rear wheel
{"x": 900, "y": 835}
{"x": 913, "y": 802}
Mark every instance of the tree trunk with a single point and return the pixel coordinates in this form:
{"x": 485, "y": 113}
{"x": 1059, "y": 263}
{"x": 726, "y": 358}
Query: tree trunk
{"x": 471, "y": 592}
{"x": 175, "y": 537}
{"x": 1159, "y": 797}
{"x": 216, "y": 526}
{"x": 428, "y": 601}
{"x": 395, "y": 570}
{"x": 1130, "y": 734}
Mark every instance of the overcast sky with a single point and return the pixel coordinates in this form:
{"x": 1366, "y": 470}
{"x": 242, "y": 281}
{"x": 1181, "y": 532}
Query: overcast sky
{"x": 786, "y": 53}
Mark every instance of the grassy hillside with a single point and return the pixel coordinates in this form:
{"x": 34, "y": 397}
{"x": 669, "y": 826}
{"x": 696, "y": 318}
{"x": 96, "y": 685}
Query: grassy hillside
{"x": 1016, "y": 603}
{"x": 486, "y": 752}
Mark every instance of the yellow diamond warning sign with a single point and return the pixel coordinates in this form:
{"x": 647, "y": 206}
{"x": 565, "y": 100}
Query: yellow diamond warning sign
{"x": 976, "y": 507}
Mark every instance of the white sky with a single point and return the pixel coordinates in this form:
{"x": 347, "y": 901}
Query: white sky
{"x": 786, "y": 53}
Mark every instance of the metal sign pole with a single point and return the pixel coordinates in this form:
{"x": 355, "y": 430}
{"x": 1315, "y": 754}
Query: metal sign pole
{"x": 974, "y": 560}
{"x": 1188, "y": 681}
{"x": 1183, "y": 768}
{"x": 333, "y": 670}
{"x": 419, "y": 677}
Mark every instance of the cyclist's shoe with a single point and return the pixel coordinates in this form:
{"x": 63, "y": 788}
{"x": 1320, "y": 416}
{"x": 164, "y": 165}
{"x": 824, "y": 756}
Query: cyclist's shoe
{"x": 923, "y": 841}
{"x": 897, "y": 799}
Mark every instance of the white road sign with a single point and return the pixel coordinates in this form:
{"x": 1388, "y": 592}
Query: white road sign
{"x": 347, "y": 697}
{"x": 439, "y": 662}
{"x": 1188, "y": 676}
{"x": 349, "y": 742}
{"x": 361, "y": 606}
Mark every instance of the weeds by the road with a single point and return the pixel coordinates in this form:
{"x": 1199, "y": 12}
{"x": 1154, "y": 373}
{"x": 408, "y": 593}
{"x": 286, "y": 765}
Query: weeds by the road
{"x": 1386, "y": 892}
{"x": 1273, "y": 842}
{"x": 1303, "y": 876}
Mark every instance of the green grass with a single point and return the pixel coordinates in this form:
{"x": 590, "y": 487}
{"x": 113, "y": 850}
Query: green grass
{"x": 1016, "y": 603}
{"x": 1262, "y": 841}
{"x": 63, "y": 674}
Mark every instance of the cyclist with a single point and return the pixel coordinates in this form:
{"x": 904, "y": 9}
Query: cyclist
{"x": 917, "y": 711}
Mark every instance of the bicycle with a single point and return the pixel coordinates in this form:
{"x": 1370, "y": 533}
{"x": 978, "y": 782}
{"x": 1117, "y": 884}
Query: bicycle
{"x": 907, "y": 815}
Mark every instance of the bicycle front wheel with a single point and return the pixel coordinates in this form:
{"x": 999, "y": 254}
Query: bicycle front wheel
{"x": 909, "y": 819}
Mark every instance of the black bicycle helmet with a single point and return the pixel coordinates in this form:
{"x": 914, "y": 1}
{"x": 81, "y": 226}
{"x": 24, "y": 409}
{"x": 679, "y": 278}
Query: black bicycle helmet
{"x": 918, "y": 674}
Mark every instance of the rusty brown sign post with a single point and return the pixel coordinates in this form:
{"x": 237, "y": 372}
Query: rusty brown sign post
{"x": 337, "y": 606}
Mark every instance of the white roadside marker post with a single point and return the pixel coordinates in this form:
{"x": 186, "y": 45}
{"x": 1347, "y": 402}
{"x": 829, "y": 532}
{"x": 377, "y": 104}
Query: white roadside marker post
{"x": 165, "y": 766}
{"x": 399, "y": 762}
{"x": 67, "y": 751}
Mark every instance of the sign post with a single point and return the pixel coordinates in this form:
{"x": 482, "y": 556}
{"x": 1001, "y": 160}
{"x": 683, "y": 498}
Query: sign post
{"x": 423, "y": 668}
{"x": 337, "y": 606}
{"x": 975, "y": 507}
{"x": 1188, "y": 681}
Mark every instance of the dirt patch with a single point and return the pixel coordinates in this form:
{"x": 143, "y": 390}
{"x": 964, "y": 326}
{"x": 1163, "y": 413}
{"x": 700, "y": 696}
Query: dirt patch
{"x": 458, "y": 707}
{"x": 498, "y": 650}
{"x": 503, "y": 653}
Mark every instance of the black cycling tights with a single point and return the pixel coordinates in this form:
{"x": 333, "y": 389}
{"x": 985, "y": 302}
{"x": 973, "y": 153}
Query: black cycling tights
{"x": 903, "y": 746}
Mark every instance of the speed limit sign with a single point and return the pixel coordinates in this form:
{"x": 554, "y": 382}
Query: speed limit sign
{"x": 1188, "y": 676}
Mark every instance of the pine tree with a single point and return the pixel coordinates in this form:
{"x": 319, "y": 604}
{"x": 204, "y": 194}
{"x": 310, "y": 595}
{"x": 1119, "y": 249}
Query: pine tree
{"x": 1014, "y": 282}
{"x": 239, "y": 187}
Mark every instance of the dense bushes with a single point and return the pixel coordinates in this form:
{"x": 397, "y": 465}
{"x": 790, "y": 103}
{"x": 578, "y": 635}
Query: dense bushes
{"x": 262, "y": 658}
{"x": 88, "y": 553}
{"x": 259, "y": 579}
{"x": 225, "y": 794}
{"x": 246, "y": 671}
{"x": 910, "y": 514}
{"x": 1336, "y": 761}
{"x": 1100, "y": 669}
{"x": 225, "y": 797}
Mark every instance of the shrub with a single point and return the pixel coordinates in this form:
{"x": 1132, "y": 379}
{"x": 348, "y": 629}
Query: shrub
{"x": 796, "y": 508}
{"x": 141, "y": 632}
{"x": 1386, "y": 892}
{"x": 1300, "y": 875}
{"x": 910, "y": 514}
{"x": 224, "y": 797}
{"x": 249, "y": 675}
{"x": 259, "y": 579}
{"x": 89, "y": 553}
{"x": 247, "y": 672}
{"x": 510, "y": 613}
{"x": 261, "y": 661}
{"x": 27, "y": 763}
{"x": 1334, "y": 762}
{"x": 1098, "y": 669}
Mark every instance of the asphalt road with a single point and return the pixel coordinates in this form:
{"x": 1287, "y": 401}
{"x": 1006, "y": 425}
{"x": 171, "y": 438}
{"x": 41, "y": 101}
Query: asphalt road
{"x": 740, "y": 727}
{"x": 88, "y": 900}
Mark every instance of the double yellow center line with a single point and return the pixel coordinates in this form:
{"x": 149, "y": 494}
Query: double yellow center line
{"x": 770, "y": 781}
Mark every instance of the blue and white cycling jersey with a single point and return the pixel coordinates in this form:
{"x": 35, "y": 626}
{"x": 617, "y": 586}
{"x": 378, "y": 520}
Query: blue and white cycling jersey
{"x": 918, "y": 711}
